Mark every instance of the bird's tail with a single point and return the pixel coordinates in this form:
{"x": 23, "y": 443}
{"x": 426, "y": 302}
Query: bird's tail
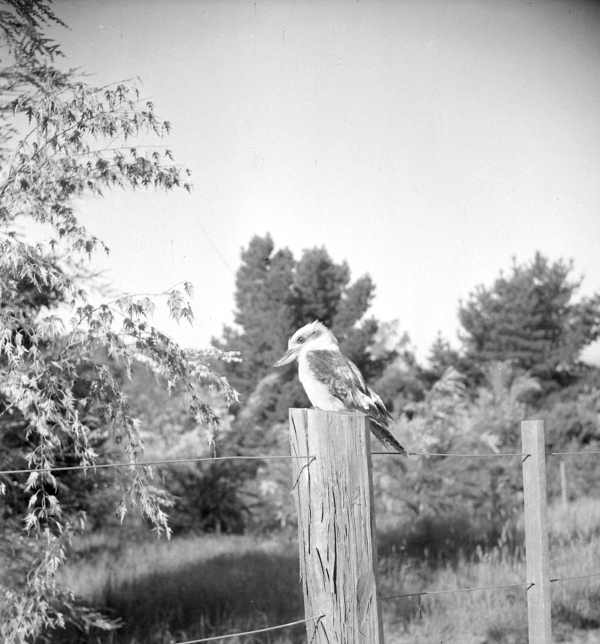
{"x": 386, "y": 436}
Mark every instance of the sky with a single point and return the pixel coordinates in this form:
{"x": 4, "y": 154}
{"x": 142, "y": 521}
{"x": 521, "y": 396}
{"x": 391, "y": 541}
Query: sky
{"x": 426, "y": 143}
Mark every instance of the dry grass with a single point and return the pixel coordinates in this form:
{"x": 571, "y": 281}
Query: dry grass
{"x": 200, "y": 586}
{"x": 500, "y": 616}
{"x": 579, "y": 521}
{"x": 189, "y": 587}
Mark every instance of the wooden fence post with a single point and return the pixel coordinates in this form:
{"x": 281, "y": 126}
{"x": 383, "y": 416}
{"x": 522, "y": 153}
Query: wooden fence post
{"x": 336, "y": 526}
{"x": 536, "y": 531}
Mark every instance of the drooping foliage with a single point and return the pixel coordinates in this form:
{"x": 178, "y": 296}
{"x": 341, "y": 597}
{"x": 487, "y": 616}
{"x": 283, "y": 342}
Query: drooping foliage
{"x": 65, "y": 349}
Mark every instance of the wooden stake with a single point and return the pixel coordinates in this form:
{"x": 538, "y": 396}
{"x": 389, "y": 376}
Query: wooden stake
{"x": 536, "y": 531}
{"x": 336, "y": 526}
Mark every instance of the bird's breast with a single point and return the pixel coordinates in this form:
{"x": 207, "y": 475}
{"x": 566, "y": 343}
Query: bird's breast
{"x": 317, "y": 391}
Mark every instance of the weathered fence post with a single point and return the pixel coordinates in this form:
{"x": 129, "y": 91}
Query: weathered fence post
{"x": 536, "y": 531}
{"x": 336, "y": 526}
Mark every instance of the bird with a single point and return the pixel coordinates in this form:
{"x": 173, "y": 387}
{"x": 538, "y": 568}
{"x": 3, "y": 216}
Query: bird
{"x": 333, "y": 382}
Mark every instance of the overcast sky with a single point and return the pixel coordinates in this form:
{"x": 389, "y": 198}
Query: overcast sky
{"x": 426, "y": 143}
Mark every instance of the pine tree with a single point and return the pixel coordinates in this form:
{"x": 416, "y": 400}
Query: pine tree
{"x": 319, "y": 284}
{"x": 275, "y": 295}
{"x": 264, "y": 311}
{"x": 530, "y": 318}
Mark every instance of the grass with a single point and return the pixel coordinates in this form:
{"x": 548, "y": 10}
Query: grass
{"x": 497, "y": 616}
{"x": 201, "y": 586}
{"x": 190, "y": 587}
{"x": 500, "y": 616}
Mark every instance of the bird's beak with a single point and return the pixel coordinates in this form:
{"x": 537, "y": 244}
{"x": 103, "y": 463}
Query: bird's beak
{"x": 288, "y": 356}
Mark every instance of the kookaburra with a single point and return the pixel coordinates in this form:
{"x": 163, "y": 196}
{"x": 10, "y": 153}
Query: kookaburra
{"x": 332, "y": 382}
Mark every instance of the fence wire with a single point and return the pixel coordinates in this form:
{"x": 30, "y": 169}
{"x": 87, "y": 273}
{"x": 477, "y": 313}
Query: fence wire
{"x": 577, "y": 453}
{"x": 266, "y": 457}
{"x": 168, "y": 461}
{"x": 456, "y": 454}
{"x": 466, "y": 589}
{"x": 442, "y": 591}
{"x": 590, "y": 576}
{"x": 215, "y": 638}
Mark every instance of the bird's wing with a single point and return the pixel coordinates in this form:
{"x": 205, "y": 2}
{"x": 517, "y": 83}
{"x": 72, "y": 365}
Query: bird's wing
{"x": 344, "y": 381}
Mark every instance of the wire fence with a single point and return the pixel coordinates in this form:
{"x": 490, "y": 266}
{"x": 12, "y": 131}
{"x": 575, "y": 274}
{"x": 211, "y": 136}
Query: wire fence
{"x": 470, "y": 589}
{"x": 576, "y": 453}
{"x": 266, "y": 457}
{"x": 423, "y": 593}
{"x": 453, "y": 454}
{"x": 213, "y": 459}
{"x": 256, "y": 631}
{"x": 575, "y": 577}
{"x": 167, "y": 461}
{"x": 465, "y": 589}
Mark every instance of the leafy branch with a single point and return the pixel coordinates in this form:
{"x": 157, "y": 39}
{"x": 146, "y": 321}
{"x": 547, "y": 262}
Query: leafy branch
{"x": 64, "y": 359}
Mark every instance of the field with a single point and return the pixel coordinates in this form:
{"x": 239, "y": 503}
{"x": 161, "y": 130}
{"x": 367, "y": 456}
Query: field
{"x": 201, "y": 586}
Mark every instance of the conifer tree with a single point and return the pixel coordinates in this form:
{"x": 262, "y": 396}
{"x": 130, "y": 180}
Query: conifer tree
{"x": 531, "y": 318}
{"x": 275, "y": 295}
{"x": 264, "y": 311}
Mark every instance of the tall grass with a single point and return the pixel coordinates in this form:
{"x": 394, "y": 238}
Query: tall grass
{"x": 200, "y": 586}
{"x": 500, "y": 616}
{"x": 190, "y": 587}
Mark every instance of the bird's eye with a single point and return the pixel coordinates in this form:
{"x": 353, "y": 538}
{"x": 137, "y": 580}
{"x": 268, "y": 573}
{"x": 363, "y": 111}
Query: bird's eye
{"x": 300, "y": 339}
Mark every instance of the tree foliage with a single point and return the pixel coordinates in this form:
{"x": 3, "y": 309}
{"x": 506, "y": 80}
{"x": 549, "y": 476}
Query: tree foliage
{"x": 441, "y": 356}
{"x": 450, "y": 503}
{"x": 67, "y": 351}
{"x": 531, "y": 318}
{"x": 61, "y": 345}
{"x": 275, "y": 295}
{"x": 403, "y": 381}
{"x": 264, "y": 313}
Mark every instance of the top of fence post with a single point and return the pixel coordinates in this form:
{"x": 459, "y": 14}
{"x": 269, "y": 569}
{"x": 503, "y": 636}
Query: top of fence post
{"x": 536, "y": 531}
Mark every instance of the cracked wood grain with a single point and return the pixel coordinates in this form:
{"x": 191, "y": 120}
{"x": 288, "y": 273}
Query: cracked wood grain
{"x": 336, "y": 525}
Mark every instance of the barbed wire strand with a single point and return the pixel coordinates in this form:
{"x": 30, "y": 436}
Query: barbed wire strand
{"x": 593, "y": 574}
{"x": 465, "y": 455}
{"x": 254, "y": 632}
{"x": 579, "y": 453}
{"x": 263, "y": 457}
{"x": 169, "y": 461}
{"x": 467, "y": 589}
{"x": 266, "y": 457}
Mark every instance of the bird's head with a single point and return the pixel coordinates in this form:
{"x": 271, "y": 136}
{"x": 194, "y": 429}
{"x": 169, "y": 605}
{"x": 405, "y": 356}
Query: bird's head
{"x": 308, "y": 338}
